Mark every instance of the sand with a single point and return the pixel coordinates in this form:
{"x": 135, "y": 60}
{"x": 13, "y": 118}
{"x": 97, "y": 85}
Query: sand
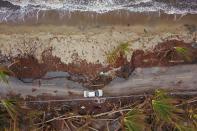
{"x": 90, "y": 43}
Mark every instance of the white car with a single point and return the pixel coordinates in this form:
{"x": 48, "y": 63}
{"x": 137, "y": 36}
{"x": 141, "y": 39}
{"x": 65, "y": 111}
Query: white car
{"x": 97, "y": 93}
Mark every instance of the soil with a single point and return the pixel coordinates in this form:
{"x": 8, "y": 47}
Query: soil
{"x": 29, "y": 67}
{"x": 83, "y": 108}
{"x": 164, "y": 54}
{"x": 38, "y": 112}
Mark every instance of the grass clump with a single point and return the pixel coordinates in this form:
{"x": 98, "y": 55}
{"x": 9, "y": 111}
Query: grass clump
{"x": 122, "y": 49}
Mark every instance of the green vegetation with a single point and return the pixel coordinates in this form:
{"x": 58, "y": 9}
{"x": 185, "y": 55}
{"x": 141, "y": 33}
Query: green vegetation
{"x": 156, "y": 112}
{"x": 6, "y": 103}
{"x": 122, "y": 49}
{"x": 134, "y": 120}
{"x": 162, "y": 107}
{"x": 11, "y": 109}
{"x": 184, "y": 52}
{"x": 162, "y": 114}
{"x": 164, "y": 111}
{"x": 9, "y": 116}
{"x": 3, "y": 77}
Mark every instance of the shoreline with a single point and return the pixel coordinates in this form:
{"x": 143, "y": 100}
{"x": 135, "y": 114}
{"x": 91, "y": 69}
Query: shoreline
{"x": 120, "y": 17}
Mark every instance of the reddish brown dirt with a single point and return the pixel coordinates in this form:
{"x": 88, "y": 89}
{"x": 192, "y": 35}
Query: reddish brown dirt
{"x": 29, "y": 67}
{"x": 163, "y": 54}
{"x": 79, "y": 66}
{"x": 121, "y": 60}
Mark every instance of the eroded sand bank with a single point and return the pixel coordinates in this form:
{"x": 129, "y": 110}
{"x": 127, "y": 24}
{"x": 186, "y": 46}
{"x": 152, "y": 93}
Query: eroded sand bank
{"x": 90, "y": 43}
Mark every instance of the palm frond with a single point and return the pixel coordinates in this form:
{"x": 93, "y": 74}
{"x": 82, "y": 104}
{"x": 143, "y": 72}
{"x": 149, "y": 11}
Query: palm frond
{"x": 184, "y": 52}
{"x": 114, "y": 54}
{"x": 163, "y": 107}
{"x": 3, "y": 77}
{"x": 163, "y": 110}
{"x": 192, "y": 114}
{"x": 160, "y": 94}
{"x": 10, "y": 108}
{"x": 4, "y": 74}
{"x": 184, "y": 128}
{"x": 124, "y": 47}
{"x": 134, "y": 120}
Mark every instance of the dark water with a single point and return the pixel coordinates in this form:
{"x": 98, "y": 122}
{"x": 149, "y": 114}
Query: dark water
{"x": 31, "y": 10}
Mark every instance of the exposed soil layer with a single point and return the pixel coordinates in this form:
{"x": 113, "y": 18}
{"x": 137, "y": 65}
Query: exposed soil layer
{"x": 29, "y": 67}
{"x": 164, "y": 54}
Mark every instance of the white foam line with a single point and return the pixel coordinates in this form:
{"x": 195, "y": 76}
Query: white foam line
{"x": 95, "y": 6}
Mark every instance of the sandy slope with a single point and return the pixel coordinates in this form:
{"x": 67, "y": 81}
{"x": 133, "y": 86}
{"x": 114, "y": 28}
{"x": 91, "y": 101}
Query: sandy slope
{"x": 90, "y": 43}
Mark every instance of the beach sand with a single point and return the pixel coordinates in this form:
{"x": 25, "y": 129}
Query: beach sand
{"x": 90, "y": 43}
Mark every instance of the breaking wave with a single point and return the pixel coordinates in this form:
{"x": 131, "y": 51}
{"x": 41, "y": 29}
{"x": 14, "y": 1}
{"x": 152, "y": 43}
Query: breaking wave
{"x": 19, "y": 9}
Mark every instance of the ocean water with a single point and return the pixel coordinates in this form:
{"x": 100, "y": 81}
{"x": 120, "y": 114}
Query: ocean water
{"x": 16, "y": 11}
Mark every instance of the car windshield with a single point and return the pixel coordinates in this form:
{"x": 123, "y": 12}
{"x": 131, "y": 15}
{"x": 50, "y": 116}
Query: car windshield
{"x": 96, "y": 93}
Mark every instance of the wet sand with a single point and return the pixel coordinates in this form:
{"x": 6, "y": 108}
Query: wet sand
{"x": 75, "y": 18}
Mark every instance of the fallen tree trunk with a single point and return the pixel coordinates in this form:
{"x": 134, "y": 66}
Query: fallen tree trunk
{"x": 176, "y": 78}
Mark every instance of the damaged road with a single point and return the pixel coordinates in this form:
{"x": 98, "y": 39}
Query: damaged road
{"x": 175, "y": 78}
